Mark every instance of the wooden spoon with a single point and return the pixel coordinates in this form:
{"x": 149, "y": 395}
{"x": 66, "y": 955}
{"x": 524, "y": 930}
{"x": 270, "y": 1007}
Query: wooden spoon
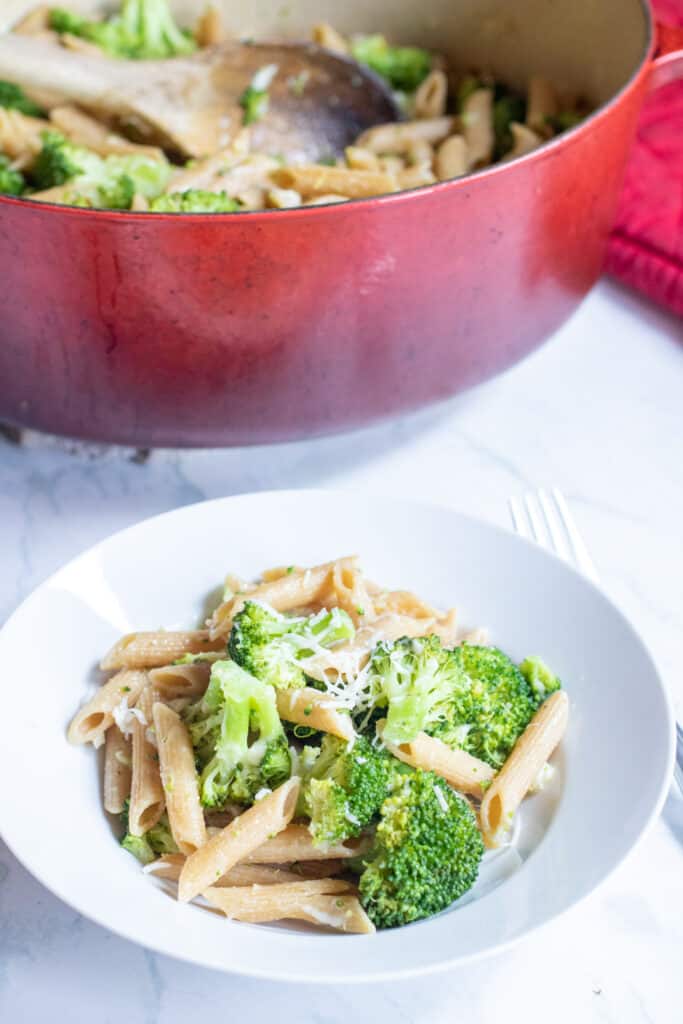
{"x": 319, "y": 102}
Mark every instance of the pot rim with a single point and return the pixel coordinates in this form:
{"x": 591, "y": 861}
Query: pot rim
{"x": 544, "y": 151}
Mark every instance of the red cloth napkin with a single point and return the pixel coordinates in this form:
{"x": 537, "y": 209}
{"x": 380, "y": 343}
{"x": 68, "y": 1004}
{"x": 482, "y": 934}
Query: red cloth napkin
{"x": 646, "y": 246}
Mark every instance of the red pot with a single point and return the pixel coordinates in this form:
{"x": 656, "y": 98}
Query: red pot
{"x": 152, "y": 329}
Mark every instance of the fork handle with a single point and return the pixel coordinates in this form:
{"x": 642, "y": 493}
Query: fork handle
{"x": 678, "y": 766}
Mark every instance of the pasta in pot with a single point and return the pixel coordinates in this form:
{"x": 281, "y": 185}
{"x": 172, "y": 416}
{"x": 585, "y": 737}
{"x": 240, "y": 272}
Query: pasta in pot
{"x": 452, "y": 124}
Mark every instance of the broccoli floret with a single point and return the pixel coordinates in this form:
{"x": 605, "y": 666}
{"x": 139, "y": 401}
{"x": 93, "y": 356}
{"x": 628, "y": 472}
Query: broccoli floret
{"x": 540, "y": 678}
{"x": 12, "y": 183}
{"x": 271, "y": 646}
{"x": 472, "y": 698}
{"x": 254, "y": 103}
{"x": 195, "y": 201}
{"x": 109, "y": 182}
{"x": 14, "y": 98}
{"x": 488, "y": 712}
{"x": 238, "y": 737}
{"x": 413, "y": 679}
{"x": 507, "y": 107}
{"x": 156, "y": 841}
{"x": 348, "y": 785}
{"x": 404, "y": 67}
{"x": 426, "y": 853}
{"x": 142, "y": 30}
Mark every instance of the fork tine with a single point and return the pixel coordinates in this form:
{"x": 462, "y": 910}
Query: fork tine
{"x": 519, "y": 521}
{"x": 581, "y": 556}
{"x": 553, "y": 519}
{"x": 539, "y": 531}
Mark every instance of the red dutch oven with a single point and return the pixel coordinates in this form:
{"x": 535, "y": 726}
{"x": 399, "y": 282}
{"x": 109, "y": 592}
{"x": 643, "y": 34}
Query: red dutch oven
{"x": 150, "y": 329}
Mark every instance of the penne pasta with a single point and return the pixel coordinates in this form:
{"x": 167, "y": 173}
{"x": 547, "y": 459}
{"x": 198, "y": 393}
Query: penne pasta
{"x": 209, "y": 28}
{"x": 238, "y": 840}
{"x": 324, "y": 35}
{"x": 34, "y": 23}
{"x": 431, "y": 94}
{"x": 203, "y": 172}
{"x": 90, "y": 723}
{"x": 524, "y": 141}
{"x": 477, "y": 127}
{"x": 302, "y": 901}
{"x": 173, "y": 681}
{"x": 451, "y": 158}
{"x": 179, "y": 779}
{"x": 20, "y": 135}
{"x": 150, "y": 650}
{"x": 117, "y": 770}
{"x": 460, "y": 770}
{"x": 146, "y": 791}
{"x": 296, "y": 588}
{"x": 541, "y": 104}
{"x": 398, "y": 137}
{"x": 515, "y": 778}
{"x": 84, "y": 130}
{"x": 415, "y": 177}
{"x": 361, "y": 159}
{"x": 170, "y": 865}
{"x": 310, "y": 707}
{"x": 313, "y": 180}
{"x": 295, "y": 843}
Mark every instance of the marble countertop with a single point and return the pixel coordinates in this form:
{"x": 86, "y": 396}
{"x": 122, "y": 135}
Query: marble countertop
{"x": 597, "y": 412}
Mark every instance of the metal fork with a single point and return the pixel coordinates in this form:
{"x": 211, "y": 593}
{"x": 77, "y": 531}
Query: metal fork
{"x": 544, "y": 517}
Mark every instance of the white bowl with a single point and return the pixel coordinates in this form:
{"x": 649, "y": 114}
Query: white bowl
{"x": 614, "y": 764}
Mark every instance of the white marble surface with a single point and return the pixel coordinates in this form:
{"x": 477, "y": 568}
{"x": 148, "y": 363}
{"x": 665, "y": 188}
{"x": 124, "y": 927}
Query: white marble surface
{"x": 599, "y": 413}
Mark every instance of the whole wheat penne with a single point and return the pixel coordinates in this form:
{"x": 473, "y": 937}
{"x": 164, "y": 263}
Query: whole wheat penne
{"x": 36, "y": 21}
{"x": 529, "y": 754}
{"x": 430, "y": 97}
{"x": 297, "y": 588}
{"x": 315, "y": 709}
{"x": 415, "y": 177}
{"x": 524, "y": 141}
{"x": 117, "y": 770}
{"x": 86, "y": 131}
{"x": 209, "y": 28}
{"x": 90, "y": 723}
{"x": 295, "y": 843}
{"x": 399, "y": 137}
{"x": 173, "y": 681}
{"x": 541, "y": 104}
{"x": 327, "y": 36}
{"x": 179, "y": 779}
{"x": 146, "y": 791}
{"x": 170, "y": 865}
{"x": 361, "y": 159}
{"x": 282, "y": 198}
{"x": 20, "y": 135}
{"x": 319, "y": 179}
{"x": 278, "y": 903}
{"x": 238, "y": 840}
{"x": 326, "y": 200}
{"x": 477, "y": 127}
{"x": 150, "y": 650}
{"x": 204, "y": 171}
{"x": 451, "y": 159}
{"x": 460, "y": 770}
{"x": 420, "y": 153}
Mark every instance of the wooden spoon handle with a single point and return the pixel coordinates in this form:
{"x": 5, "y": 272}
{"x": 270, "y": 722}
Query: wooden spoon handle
{"x": 41, "y": 65}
